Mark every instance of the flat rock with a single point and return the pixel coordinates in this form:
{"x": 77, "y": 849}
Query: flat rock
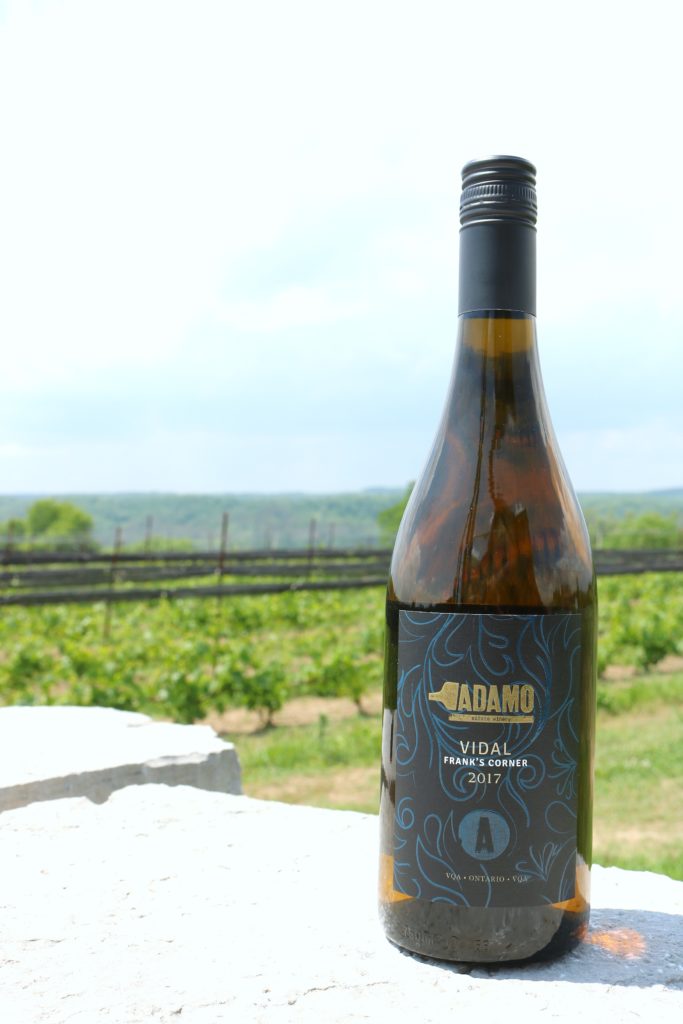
{"x": 180, "y": 905}
{"x": 52, "y": 752}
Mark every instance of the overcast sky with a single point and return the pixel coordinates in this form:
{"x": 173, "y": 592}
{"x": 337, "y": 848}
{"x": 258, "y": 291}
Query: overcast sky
{"x": 229, "y": 235}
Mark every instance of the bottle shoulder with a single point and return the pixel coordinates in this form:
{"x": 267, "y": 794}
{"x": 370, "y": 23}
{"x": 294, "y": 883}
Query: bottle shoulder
{"x": 494, "y": 524}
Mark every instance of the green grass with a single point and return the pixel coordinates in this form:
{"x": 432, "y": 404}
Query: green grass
{"x": 308, "y": 749}
{"x": 640, "y": 692}
{"x": 325, "y": 764}
{"x": 639, "y": 776}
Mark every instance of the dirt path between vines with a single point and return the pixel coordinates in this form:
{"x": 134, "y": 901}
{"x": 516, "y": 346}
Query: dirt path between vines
{"x": 298, "y": 711}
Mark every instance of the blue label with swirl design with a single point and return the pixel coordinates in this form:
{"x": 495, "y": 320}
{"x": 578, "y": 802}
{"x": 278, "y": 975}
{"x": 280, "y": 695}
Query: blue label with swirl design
{"x": 486, "y": 758}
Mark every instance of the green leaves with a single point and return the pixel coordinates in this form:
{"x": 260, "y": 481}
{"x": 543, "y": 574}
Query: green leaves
{"x": 183, "y": 659}
{"x": 640, "y": 619}
{"x": 52, "y": 520}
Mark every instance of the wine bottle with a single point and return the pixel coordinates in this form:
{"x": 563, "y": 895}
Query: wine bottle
{"x": 489, "y": 693}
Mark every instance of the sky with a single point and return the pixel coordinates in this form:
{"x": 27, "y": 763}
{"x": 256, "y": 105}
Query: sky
{"x": 229, "y": 235}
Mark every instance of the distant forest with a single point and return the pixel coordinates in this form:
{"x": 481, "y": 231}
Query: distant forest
{"x": 283, "y": 520}
{"x": 255, "y": 521}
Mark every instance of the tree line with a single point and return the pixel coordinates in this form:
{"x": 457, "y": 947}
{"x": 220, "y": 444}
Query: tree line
{"x": 51, "y": 522}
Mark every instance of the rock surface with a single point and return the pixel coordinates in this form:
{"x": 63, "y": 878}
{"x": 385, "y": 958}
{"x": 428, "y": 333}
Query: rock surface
{"x": 179, "y": 905}
{"x": 51, "y": 752}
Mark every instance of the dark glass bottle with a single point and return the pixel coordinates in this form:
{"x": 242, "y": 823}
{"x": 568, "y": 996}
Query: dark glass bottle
{"x": 489, "y": 694}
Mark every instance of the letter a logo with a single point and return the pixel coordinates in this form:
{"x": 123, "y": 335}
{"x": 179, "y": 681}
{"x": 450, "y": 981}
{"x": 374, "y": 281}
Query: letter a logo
{"x": 484, "y": 834}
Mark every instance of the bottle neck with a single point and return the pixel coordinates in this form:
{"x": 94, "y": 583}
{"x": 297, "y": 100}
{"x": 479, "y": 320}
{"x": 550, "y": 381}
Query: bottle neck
{"x": 497, "y": 266}
{"x": 497, "y": 375}
{"x": 498, "y": 334}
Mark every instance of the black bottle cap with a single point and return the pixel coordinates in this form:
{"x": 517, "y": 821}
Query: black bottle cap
{"x": 498, "y": 188}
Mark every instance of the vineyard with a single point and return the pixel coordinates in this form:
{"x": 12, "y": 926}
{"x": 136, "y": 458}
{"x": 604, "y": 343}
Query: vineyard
{"x": 189, "y": 652}
{"x": 39, "y": 577}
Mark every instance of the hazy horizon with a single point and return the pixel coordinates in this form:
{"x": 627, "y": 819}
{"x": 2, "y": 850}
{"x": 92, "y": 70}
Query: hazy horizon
{"x": 389, "y": 488}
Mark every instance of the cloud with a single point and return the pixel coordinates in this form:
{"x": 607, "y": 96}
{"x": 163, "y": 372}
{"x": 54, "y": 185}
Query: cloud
{"x": 217, "y": 461}
{"x": 646, "y": 456}
{"x": 346, "y": 456}
{"x": 224, "y": 219}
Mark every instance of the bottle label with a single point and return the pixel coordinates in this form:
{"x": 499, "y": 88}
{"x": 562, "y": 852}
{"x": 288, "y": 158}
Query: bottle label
{"x": 486, "y": 758}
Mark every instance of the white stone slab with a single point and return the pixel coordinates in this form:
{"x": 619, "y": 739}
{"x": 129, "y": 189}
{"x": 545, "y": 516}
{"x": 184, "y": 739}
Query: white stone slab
{"x": 47, "y": 753}
{"x": 180, "y": 906}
